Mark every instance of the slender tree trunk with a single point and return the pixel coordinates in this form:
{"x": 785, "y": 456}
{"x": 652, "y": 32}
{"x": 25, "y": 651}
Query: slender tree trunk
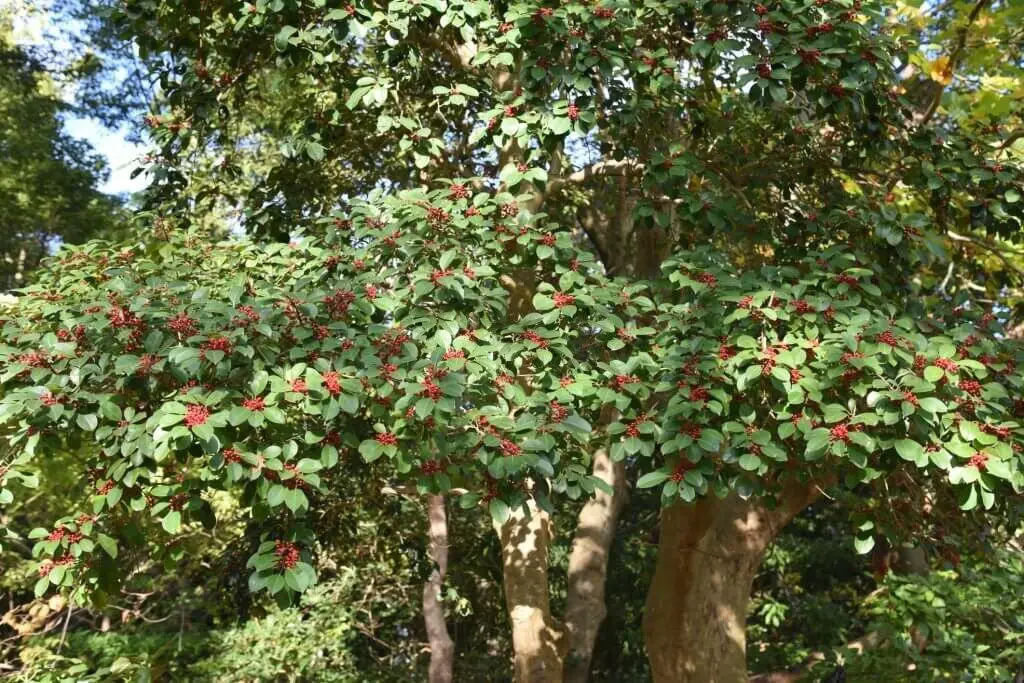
{"x": 537, "y": 639}
{"x": 588, "y": 566}
{"x": 708, "y": 554}
{"x": 442, "y": 649}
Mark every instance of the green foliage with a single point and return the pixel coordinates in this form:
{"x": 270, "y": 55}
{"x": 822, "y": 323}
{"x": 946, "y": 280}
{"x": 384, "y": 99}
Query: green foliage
{"x": 957, "y": 624}
{"x": 251, "y": 382}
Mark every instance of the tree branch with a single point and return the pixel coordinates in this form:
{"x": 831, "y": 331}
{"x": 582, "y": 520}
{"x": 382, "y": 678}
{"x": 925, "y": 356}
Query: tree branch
{"x": 954, "y": 60}
{"x": 609, "y": 167}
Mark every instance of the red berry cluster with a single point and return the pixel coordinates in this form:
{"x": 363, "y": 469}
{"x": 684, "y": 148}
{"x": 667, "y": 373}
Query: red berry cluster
{"x": 706, "y": 279}
{"x": 535, "y": 338}
{"x": 457, "y": 191}
{"x": 254, "y": 403}
{"x": 764, "y": 70}
{"x": 453, "y": 354}
{"x": 390, "y": 343}
{"x": 911, "y": 398}
{"x": 196, "y": 415}
{"x": 287, "y": 554}
{"x": 299, "y": 386}
{"x": 699, "y": 394}
{"x": 217, "y": 344}
{"x": 633, "y": 428}
{"x": 558, "y": 411}
{"x": 431, "y": 467}
{"x": 823, "y": 27}
{"x": 231, "y": 455}
{"x": 250, "y": 315}
{"x": 800, "y": 307}
{"x": 573, "y": 112}
{"x": 332, "y": 382}
{"x": 562, "y": 300}
{"x": 436, "y": 276}
{"x": 183, "y": 325}
{"x": 888, "y": 337}
{"x": 971, "y": 386}
{"x": 339, "y": 302}
{"x": 620, "y": 381}
{"x": 691, "y": 430}
{"x": 121, "y": 317}
{"x": 848, "y": 280}
{"x": 978, "y": 460}
{"x": 509, "y": 210}
{"x": 681, "y": 469}
{"x": 850, "y": 355}
{"x": 946, "y": 364}
{"x": 510, "y": 449}
{"x": 841, "y": 433}
{"x": 438, "y": 217}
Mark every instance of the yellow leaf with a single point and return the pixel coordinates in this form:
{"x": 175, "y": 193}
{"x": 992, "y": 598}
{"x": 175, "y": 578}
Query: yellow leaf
{"x": 941, "y": 71}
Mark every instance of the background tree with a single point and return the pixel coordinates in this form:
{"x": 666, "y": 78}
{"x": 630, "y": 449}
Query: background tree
{"x": 48, "y": 180}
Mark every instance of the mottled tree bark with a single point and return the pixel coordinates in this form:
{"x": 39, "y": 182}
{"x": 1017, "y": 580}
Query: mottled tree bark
{"x": 588, "y": 566}
{"x": 442, "y": 648}
{"x": 708, "y": 554}
{"x": 538, "y": 640}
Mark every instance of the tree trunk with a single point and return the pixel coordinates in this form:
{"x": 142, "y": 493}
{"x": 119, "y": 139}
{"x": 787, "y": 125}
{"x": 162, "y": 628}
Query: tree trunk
{"x": 442, "y": 649}
{"x": 708, "y": 554}
{"x": 537, "y": 639}
{"x": 588, "y": 564}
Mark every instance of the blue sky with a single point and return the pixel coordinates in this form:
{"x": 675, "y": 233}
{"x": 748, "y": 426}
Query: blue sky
{"x": 121, "y": 154}
{"x": 30, "y": 27}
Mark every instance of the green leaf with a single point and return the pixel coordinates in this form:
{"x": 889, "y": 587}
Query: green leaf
{"x": 108, "y": 544}
{"x": 560, "y": 125}
{"x": 909, "y": 450}
{"x": 87, "y": 422}
{"x": 499, "y": 510}
{"x": 932, "y": 405}
{"x": 575, "y": 423}
{"x": 750, "y": 462}
{"x": 171, "y": 522}
{"x": 370, "y": 450}
{"x": 283, "y": 36}
{"x": 933, "y": 374}
{"x": 863, "y": 545}
{"x": 652, "y": 479}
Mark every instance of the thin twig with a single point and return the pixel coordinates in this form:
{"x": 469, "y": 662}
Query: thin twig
{"x": 64, "y": 630}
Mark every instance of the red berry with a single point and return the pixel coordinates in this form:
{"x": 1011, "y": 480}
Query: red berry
{"x": 562, "y": 300}
{"x": 254, "y": 404}
{"x": 196, "y": 415}
{"x": 840, "y": 433}
{"x": 387, "y": 439}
